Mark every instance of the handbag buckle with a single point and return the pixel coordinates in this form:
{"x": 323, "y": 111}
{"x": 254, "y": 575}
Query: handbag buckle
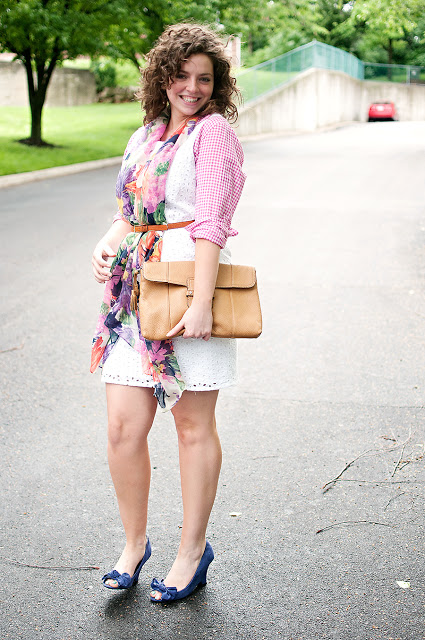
{"x": 190, "y": 284}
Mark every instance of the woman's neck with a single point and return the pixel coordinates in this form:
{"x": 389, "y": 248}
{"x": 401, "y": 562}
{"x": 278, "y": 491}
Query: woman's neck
{"x": 173, "y": 124}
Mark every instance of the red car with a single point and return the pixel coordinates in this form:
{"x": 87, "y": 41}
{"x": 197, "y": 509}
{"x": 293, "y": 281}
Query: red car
{"x": 382, "y": 111}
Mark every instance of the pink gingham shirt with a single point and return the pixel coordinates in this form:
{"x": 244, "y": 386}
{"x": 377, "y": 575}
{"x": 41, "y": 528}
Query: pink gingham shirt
{"x": 219, "y": 180}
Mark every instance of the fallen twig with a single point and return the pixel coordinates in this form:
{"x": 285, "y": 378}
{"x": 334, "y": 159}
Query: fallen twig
{"x": 399, "y": 465}
{"x": 21, "y": 346}
{"x": 329, "y": 484}
{"x": 394, "y": 498}
{"x": 405, "y": 463}
{"x": 382, "y": 481}
{"x": 54, "y": 568}
{"x": 353, "y": 522}
{"x": 401, "y": 455}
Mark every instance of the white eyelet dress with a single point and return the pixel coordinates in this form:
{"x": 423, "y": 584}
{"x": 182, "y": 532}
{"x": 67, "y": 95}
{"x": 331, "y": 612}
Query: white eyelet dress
{"x": 205, "y": 365}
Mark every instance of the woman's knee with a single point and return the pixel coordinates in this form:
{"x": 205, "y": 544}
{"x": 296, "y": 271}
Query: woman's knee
{"x": 194, "y": 416}
{"x": 122, "y": 432}
{"x": 131, "y": 411}
{"x": 191, "y": 431}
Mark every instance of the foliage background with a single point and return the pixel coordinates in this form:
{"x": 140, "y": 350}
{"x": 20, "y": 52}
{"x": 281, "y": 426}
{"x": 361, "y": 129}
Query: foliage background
{"x": 115, "y": 34}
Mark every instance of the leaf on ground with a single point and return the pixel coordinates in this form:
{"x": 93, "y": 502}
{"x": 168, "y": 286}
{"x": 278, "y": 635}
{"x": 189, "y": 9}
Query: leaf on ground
{"x": 403, "y": 585}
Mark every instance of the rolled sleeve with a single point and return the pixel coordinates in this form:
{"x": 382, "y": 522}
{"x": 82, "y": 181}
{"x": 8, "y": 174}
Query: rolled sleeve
{"x": 219, "y": 181}
{"x": 119, "y": 216}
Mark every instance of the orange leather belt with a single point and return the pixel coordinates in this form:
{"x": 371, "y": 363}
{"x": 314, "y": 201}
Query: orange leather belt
{"x": 142, "y": 228}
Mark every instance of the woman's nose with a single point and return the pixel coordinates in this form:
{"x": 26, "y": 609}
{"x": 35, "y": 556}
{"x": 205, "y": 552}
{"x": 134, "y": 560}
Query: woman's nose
{"x": 192, "y": 85}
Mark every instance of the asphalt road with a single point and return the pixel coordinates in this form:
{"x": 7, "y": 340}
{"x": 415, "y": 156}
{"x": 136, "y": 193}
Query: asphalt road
{"x": 335, "y": 223}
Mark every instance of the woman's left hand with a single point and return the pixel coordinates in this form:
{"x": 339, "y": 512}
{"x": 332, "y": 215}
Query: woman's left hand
{"x": 196, "y": 322}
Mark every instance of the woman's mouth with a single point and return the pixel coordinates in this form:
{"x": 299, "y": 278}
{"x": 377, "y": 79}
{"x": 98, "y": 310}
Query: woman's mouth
{"x": 189, "y": 100}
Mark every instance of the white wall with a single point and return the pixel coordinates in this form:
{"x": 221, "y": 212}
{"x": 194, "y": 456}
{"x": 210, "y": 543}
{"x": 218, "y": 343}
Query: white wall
{"x": 68, "y": 87}
{"x": 318, "y": 98}
{"x": 313, "y": 99}
{"x": 409, "y": 99}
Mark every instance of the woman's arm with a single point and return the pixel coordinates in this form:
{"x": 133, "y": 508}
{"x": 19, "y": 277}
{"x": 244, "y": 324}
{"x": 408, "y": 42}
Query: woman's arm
{"x": 107, "y": 248}
{"x": 219, "y": 181}
{"x": 197, "y": 321}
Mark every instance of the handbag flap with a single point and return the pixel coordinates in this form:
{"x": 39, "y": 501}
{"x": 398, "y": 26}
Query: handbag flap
{"x": 179, "y": 273}
{"x": 237, "y": 276}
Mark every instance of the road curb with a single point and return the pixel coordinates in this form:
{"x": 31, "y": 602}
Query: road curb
{"x": 15, "y": 179}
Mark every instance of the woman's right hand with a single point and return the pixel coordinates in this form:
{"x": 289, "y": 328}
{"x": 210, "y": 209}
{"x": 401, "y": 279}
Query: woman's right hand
{"x": 101, "y": 266}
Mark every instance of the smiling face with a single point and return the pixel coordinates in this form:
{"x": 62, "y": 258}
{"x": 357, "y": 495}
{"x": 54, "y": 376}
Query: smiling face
{"x": 192, "y": 87}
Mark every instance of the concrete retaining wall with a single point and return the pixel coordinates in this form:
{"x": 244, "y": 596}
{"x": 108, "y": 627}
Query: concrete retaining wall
{"x": 318, "y": 98}
{"x": 68, "y": 87}
{"x": 409, "y": 99}
{"x": 314, "y": 99}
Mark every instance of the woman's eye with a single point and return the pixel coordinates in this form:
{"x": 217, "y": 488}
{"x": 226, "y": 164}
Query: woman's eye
{"x": 205, "y": 80}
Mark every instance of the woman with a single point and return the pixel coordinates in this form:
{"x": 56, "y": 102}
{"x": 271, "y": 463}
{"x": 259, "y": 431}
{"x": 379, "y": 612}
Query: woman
{"x": 182, "y": 169}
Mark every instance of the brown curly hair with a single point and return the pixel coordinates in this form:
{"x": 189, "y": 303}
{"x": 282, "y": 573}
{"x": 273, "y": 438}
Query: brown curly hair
{"x": 164, "y": 61}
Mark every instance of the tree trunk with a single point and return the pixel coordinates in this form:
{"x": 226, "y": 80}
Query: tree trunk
{"x": 36, "y": 106}
{"x": 133, "y": 58}
{"x": 390, "y": 58}
{"x": 37, "y": 94}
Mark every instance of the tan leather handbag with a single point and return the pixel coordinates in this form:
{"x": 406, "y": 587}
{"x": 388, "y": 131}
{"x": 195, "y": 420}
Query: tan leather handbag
{"x": 166, "y": 292}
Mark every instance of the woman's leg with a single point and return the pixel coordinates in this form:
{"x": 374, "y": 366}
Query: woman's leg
{"x": 200, "y": 463}
{"x": 131, "y": 411}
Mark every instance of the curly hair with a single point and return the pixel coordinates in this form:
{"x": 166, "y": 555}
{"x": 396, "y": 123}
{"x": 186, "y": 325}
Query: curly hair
{"x": 164, "y": 61}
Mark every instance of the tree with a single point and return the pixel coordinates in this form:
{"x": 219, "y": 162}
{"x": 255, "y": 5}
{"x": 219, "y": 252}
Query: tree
{"x": 254, "y": 21}
{"x": 332, "y": 14}
{"x": 386, "y": 24}
{"x": 272, "y": 27}
{"x": 43, "y": 32}
{"x": 415, "y": 44}
{"x": 138, "y": 30}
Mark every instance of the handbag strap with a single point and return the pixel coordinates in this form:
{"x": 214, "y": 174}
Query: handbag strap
{"x": 142, "y": 228}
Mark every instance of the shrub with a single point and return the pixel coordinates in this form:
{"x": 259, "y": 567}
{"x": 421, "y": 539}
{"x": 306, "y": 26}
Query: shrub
{"x": 105, "y": 74}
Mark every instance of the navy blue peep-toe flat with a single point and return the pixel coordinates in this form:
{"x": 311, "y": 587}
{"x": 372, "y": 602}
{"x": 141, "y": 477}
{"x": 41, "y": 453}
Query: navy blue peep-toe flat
{"x": 123, "y": 579}
{"x": 169, "y": 594}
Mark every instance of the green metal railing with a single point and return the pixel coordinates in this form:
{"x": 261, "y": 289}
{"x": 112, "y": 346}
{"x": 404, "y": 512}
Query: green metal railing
{"x": 407, "y": 74}
{"x": 274, "y": 73}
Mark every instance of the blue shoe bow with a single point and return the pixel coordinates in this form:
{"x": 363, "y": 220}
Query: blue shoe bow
{"x": 167, "y": 593}
{"x": 199, "y": 579}
{"x": 124, "y": 580}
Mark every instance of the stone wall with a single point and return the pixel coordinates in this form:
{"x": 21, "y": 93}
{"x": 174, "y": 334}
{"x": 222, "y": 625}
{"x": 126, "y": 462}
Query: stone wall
{"x": 68, "y": 87}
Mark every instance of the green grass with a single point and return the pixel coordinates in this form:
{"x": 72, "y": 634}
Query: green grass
{"x": 398, "y": 76}
{"x": 254, "y": 83}
{"x": 79, "y": 63}
{"x": 88, "y": 132}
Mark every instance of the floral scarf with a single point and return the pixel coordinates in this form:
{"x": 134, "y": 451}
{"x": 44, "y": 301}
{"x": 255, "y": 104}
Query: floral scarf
{"x": 140, "y": 194}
